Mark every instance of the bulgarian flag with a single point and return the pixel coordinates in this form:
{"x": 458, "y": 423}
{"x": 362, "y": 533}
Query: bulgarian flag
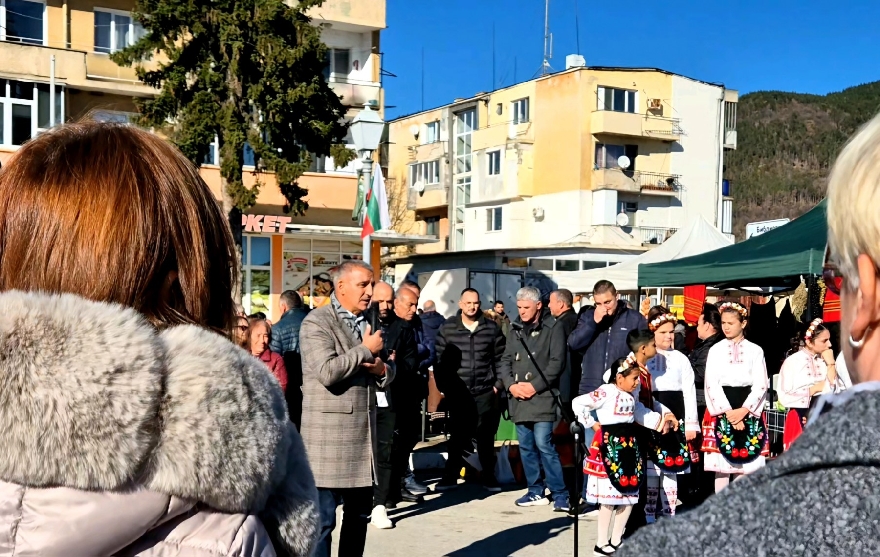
{"x": 376, "y": 215}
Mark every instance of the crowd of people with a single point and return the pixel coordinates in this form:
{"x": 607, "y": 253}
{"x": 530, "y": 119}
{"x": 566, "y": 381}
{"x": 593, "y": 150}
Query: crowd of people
{"x": 142, "y": 414}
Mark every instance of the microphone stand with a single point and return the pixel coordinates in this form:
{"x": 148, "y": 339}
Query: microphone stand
{"x": 577, "y": 430}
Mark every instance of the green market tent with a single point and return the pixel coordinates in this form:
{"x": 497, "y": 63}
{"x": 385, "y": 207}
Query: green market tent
{"x": 776, "y": 258}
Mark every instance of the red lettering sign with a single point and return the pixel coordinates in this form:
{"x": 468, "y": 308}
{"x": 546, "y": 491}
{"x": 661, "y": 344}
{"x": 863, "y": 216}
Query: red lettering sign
{"x": 265, "y": 223}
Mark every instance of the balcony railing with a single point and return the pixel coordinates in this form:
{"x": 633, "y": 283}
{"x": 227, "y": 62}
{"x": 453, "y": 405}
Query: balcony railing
{"x": 656, "y": 235}
{"x": 649, "y": 183}
{"x": 657, "y": 182}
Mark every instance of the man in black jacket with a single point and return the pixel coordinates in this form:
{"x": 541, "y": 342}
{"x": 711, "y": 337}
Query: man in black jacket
{"x": 400, "y": 341}
{"x": 532, "y": 405}
{"x": 469, "y": 350}
{"x": 560, "y": 307}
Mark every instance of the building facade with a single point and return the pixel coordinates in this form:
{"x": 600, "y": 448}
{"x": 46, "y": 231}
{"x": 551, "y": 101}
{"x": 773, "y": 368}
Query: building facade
{"x": 600, "y": 163}
{"x": 66, "y": 43}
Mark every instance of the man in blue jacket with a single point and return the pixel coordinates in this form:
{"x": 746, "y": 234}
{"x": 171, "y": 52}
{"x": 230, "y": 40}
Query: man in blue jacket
{"x": 601, "y": 334}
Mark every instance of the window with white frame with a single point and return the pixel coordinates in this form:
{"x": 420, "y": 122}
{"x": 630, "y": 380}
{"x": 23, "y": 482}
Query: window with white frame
{"x": 493, "y": 219}
{"x": 337, "y": 64}
{"x": 256, "y": 273}
{"x": 432, "y": 132}
{"x": 115, "y": 30}
{"x": 428, "y": 173}
{"x": 465, "y": 124}
{"x": 521, "y": 111}
{"x": 494, "y": 162}
{"x": 23, "y": 21}
{"x": 25, "y": 110}
{"x": 618, "y": 100}
{"x": 212, "y": 157}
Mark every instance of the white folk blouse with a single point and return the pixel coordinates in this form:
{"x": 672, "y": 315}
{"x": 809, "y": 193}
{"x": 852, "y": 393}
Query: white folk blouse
{"x": 613, "y": 406}
{"x": 735, "y": 364}
{"x": 671, "y": 371}
{"x": 798, "y": 374}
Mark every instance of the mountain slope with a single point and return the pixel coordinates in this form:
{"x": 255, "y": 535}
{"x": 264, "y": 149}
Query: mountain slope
{"x": 786, "y": 145}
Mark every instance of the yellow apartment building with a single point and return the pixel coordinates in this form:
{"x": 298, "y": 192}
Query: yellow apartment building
{"x": 77, "y": 36}
{"x": 569, "y": 171}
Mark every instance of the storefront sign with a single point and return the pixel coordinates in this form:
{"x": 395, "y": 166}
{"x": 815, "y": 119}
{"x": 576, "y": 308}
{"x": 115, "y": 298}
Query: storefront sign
{"x": 757, "y": 228}
{"x": 265, "y": 223}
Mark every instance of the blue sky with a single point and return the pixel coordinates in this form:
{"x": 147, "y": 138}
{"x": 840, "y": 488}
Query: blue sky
{"x": 808, "y": 46}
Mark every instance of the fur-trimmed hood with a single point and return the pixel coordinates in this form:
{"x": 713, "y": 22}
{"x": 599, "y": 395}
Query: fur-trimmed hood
{"x": 93, "y": 398}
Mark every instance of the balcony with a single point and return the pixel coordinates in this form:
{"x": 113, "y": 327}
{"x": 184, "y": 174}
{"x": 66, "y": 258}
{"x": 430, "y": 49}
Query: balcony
{"x": 652, "y": 235}
{"x": 73, "y": 68}
{"x": 432, "y": 198}
{"x": 635, "y": 181}
{"x": 356, "y": 93}
{"x": 629, "y": 124}
{"x": 354, "y": 16}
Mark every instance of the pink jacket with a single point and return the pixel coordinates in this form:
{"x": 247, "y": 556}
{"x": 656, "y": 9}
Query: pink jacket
{"x": 118, "y": 440}
{"x": 275, "y": 363}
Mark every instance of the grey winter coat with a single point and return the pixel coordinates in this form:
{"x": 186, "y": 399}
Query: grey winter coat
{"x": 821, "y": 498}
{"x": 120, "y": 440}
{"x": 547, "y": 342}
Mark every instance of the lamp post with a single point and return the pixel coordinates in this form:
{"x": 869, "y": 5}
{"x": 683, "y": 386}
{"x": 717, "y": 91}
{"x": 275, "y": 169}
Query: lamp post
{"x": 366, "y": 132}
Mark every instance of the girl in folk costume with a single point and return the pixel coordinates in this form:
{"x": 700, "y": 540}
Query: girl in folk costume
{"x": 673, "y": 382}
{"x": 809, "y": 372}
{"x": 614, "y": 464}
{"x": 734, "y": 435}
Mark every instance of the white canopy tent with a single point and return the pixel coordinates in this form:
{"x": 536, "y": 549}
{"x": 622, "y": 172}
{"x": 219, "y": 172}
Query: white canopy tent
{"x": 696, "y": 238}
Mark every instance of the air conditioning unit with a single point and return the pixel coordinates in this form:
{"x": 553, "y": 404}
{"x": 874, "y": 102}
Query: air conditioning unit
{"x": 418, "y": 186}
{"x": 655, "y": 104}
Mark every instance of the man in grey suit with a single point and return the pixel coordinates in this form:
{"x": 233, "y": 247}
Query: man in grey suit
{"x": 341, "y": 371}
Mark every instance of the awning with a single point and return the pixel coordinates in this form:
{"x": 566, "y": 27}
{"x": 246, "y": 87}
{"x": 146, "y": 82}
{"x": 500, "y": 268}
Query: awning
{"x": 775, "y": 258}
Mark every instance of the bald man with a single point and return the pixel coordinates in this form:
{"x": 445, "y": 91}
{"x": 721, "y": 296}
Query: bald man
{"x": 389, "y": 313}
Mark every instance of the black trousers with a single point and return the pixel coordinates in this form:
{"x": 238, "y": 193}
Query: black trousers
{"x": 472, "y": 417}
{"x": 355, "y": 517}
{"x": 385, "y": 422}
{"x": 408, "y": 428}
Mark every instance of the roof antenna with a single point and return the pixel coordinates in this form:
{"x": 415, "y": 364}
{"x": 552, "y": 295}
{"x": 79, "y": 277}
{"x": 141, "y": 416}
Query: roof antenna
{"x": 548, "y": 41}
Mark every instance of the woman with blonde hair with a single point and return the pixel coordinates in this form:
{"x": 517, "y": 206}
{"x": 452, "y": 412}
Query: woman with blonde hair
{"x": 820, "y": 496}
{"x": 130, "y": 423}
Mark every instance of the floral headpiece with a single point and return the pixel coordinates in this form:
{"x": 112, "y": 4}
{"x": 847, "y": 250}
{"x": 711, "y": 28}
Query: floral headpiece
{"x": 733, "y": 306}
{"x": 629, "y": 363}
{"x": 811, "y": 330}
{"x": 660, "y": 320}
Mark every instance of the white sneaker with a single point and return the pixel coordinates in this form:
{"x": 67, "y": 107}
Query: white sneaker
{"x": 379, "y": 518}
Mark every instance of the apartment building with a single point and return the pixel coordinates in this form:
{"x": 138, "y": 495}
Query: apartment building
{"x": 67, "y": 43}
{"x": 569, "y": 171}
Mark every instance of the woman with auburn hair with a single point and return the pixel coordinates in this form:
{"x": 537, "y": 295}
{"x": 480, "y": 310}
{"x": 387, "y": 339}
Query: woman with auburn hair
{"x": 256, "y": 341}
{"x": 130, "y": 423}
{"x": 820, "y": 496}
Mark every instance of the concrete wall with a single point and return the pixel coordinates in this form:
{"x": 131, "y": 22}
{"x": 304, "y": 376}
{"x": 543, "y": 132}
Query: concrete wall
{"x": 360, "y": 13}
{"x": 698, "y": 106}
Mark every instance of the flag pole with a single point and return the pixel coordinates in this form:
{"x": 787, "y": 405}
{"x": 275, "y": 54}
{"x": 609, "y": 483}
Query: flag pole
{"x": 368, "y": 186}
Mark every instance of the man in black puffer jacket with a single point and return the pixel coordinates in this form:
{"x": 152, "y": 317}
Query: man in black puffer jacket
{"x": 469, "y": 349}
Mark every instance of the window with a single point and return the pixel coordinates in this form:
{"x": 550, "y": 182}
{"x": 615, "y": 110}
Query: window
{"x": 113, "y": 116}
{"x": 494, "y": 158}
{"x": 521, "y": 111}
{"x": 432, "y": 132}
{"x": 338, "y": 64}
{"x": 729, "y": 115}
{"x": 25, "y": 110}
{"x": 256, "y": 273}
{"x": 541, "y": 264}
{"x": 22, "y": 21}
{"x": 607, "y": 155}
{"x": 115, "y": 30}
{"x": 629, "y": 207}
{"x": 493, "y": 219}
{"x": 618, "y": 100}
{"x": 465, "y": 124}
{"x": 587, "y": 265}
{"x": 213, "y": 155}
{"x": 567, "y": 264}
{"x": 432, "y": 227}
{"x": 428, "y": 173}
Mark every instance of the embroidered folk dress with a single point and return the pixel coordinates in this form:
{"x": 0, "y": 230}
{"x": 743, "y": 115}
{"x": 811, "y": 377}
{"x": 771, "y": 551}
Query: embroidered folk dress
{"x": 734, "y": 367}
{"x": 674, "y": 388}
{"x": 612, "y": 407}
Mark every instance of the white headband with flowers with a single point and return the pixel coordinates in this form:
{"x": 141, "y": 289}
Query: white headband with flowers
{"x": 735, "y": 307}
{"x": 658, "y": 321}
{"x": 811, "y": 330}
{"x": 629, "y": 363}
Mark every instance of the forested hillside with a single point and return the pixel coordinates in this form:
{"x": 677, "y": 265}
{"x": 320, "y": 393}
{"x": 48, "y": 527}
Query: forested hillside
{"x": 786, "y": 145}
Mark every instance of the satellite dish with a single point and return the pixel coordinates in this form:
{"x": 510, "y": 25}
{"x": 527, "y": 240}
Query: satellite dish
{"x": 623, "y": 162}
{"x": 622, "y": 219}
{"x": 419, "y": 186}
{"x": 414, "y": 130}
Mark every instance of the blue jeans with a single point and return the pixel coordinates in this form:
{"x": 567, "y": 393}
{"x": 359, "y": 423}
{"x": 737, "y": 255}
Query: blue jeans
{"x": 536, "y": 450}
{"x": 356, "y": 507}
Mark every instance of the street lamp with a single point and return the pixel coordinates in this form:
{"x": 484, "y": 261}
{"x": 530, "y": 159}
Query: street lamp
{"x": 366, "y": 132}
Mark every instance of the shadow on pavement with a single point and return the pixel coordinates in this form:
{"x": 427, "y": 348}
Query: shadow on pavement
{"x": 508, "y": 542}
{"x": 465, "y": 493}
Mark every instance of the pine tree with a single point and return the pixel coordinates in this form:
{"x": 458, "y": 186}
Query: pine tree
{"x": 242, "y": 71}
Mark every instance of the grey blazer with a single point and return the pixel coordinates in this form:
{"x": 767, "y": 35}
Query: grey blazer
{"x": 820, "y": 498}
{"x": 339, "y": 402}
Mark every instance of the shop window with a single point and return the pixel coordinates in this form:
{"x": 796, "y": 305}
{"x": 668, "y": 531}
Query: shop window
{"x": 567, "y": 264}
{"x": 256, "y": 254}
{"x": 587, "y": 265}
{"x": 22, "y": 21}
{"x": 25, "y": 110}
{"x": 541, "y": 264}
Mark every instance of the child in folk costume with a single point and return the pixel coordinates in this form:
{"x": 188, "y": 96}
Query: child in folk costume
{"x": 614, "y": 463}
{"x": 806, "y": 374}
{"x": 673, "y": 387}
{"x": 734, "y": 435}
